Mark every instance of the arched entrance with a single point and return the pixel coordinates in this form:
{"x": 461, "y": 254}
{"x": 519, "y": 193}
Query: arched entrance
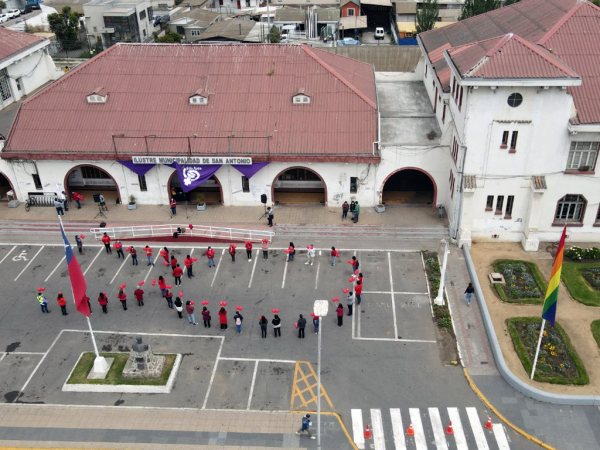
{"x": 5, "y": 186}
{"x": 409, "y": 186}
{"x": 212, "y": 190}
{"x": 299, "y": 185}
{"x": 90, "y": 179}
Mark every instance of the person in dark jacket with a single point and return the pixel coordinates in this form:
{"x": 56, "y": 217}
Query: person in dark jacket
{"x": 469, "y": 293}
{"x": 179, "y": 307}
{"x": 79, "y": 244}
{"x": 263, "y": 322}
{"x": 206, "y": 317}
{"x": 237, "y": 319}
{"x": 316, "y": 324}
{"x": 301, "y": 326}
{"x": 276, "y": 325}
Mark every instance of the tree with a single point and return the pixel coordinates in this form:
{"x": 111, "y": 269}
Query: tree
{"x": 274, "y": 35}
{"x": 511, "y": 2}
{"x": 168, "y": 38}
{"x": 476, "y": 7}
{"x": 2, "y": 5}
{"x": 427, "y": 16}
{"x": 595, "y": 2}
{"x": 66, "y": 28}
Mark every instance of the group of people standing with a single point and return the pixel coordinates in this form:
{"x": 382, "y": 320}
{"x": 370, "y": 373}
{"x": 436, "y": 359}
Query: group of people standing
{"x": 354, "y": 209}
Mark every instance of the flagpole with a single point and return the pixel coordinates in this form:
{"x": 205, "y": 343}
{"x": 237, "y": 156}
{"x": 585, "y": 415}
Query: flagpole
{"x": 537, "y": 352}
{"x": 100, "y": 361}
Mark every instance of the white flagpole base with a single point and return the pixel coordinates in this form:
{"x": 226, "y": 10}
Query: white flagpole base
{"x": 100, "y": 368}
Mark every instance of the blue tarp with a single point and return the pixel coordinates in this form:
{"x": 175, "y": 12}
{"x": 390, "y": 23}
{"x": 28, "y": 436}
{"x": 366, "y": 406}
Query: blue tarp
{"x": 407, "y": 41}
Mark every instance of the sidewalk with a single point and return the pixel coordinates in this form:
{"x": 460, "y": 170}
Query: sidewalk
{"x": 158, "y": 428}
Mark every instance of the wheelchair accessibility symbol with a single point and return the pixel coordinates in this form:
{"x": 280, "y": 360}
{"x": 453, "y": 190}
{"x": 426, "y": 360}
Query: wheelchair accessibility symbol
{"x": 20, "y": 257}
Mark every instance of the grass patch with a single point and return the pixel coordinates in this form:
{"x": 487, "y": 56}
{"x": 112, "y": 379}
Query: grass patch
{"x": 441, "y": 314}
{"x": 86, "y": 362}
{"x": 529, "y": 285}
{"x": 577, "y": 285}
{"x": 596, "y": 331}
{"x": 558, "y": 362}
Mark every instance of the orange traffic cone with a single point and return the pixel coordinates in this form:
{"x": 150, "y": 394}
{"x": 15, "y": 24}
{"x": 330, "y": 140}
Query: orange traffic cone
{"x": 368, "y": 434}
{"x": 411, "y": 430}
{"x": 449, "y": 429}
{"x": 488, "y": 424}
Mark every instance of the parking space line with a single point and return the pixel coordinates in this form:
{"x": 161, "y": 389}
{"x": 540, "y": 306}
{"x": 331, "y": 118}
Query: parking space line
{"x": 124, "y": 261}
{"x": 357, "y": 428}
{"x": 317, "y": 277}
{"x": 285, "y": 361}
{"x": 378, "y": 436}
{"x": 397, "y": 429}
{"x": 214, "y": 372}
{"x": 253, "y": 381}
{"x": 500, "y": 436}
{"x": 51, "y": 273}
{"x": 422, "y": 341}
{"x": 459, "y": 434}
{"x": 93, "y": 260}
{"x": 478, "y": 433}
{"x": 26, "y": 353}
{"x": 438, "y": 429}
{"x": 396, "y": 293}
{"x": 427, "y": 284}
{"x": 217, "y": 269}
{"x": 11, "y": 250}
{"x": 393, "y": 299}
{"x": 2, "y": 357}
{"x": 148, "y": 273}
{"x": 284, "y": 273}
{"x": 253, "y": 268}
{"x": 29, "y": 263}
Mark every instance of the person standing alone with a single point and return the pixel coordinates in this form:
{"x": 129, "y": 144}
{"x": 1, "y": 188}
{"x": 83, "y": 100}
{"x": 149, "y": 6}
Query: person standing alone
{"x": 249, "y": 250}
{"x": 148, "y": 251}
{"x": 311, "y": 255}
{"x": 177, "y": 272}
{"x": 189, "y": 308}
{"x": 123, "y": 299}
{"x": 43, "y": 302}
{"x": 263, "y": 322}
{"x": 119, "y": 249}
{"x": 210, "y": 254}
{"x": 179, "y": 307}
{"x": 270, "y": 216}
{"x": 238, "y": 318}
{"x": 79, "y": 243}
{"x": 139, "y": 295}
{"x": 232, "y": 253}
{"x": 265, "y": 249}
{"x": 173, "y": 205}
{"x": 62, "y": 302}
{"x": 301, "y": 326}
{"x": 340, "y": 314}
{"x": 106, "y": 242}
{"x": 276, "y": 325}
{"x": 188, "y": 265}
{"x": 350, "y": 302}
{"x": 103, "y": 302}
{"x": 133, "y": 253}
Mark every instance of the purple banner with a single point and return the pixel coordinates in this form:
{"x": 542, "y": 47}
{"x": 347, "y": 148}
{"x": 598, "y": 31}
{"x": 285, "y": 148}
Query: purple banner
{"x": 193, "y": 176}
{"x": 250, "y": 171}
{"x": 138, "y": 169}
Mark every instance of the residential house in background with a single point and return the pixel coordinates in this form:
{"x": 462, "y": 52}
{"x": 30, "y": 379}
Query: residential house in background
{"x": 25, "y": 65}
{"x": 235, "y": 4}
{"x": 351, "y": 18}
{"x": 192, "y": 23}
{"x": 240, "y": 30}
{"x": 119, "y": 21}
{"x": 308, "y": 22}
{"x": 405, "y": 12}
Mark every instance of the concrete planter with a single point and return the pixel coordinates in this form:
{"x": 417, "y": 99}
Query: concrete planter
{"x": 201, "y": 207}
{"x": 132, "y": 206}
{"x": 380, "y": 208}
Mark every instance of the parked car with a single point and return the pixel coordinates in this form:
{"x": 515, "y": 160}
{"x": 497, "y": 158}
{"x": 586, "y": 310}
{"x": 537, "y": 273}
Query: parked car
{"x": 379, "y": 33}
{"x": 26, "y": 9}
{"x": 3, "y": 18}
{"x": 12, "y": 13}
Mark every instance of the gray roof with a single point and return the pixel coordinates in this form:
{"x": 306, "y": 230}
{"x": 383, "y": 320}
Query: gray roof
{"x": 290, "y": 15}
{"x": 198, "y": 16}
{"x": 328, "y": 15}
{"x": 234, "y": 29}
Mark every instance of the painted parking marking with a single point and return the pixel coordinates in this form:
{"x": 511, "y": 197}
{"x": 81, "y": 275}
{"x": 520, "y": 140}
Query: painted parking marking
{"x": 57, "y": 266}
{"x": 21, "y": 256}
{"x": 396, "y": 293}
{"x": 397, "y": 429}
{"x": 212, "y": 376}
{"x": 29, "y": 263}
{"x": 284, "y": 274}
{"x": 438, "y": 429}
{"x": 305, "y": 382}
{"x": 378, "y": 436}
{"x": 8, "y": 254}
{"x": 392, "y": 294}
{"x": 317, "y": 276}
{"x": 93, "y": 260}
{"x": 478, "y": 433}
{"x": 357, "y": 428}
{"x": 500, "y": 436}
{"x": 415, "y": 418}
{"x": 253, "y": 269}
{"x": 253, "y": 380}
{"x": 215, "y": 277}
{"x": 459, "y": 434}
{"x": 124, "y": 261}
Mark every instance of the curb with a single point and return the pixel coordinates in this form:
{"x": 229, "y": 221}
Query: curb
{"x": 511, "y": 378}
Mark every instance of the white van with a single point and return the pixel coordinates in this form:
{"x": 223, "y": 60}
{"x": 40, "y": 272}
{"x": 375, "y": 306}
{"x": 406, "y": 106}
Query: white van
{"x": 379, "y": 33}
{"x": 12, "y": 13}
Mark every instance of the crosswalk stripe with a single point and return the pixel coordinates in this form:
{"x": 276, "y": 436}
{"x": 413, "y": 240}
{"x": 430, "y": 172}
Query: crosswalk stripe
{"x": 478, "y": 433}
{"x": 500, "y": 436}
{"x": 459, "y": 434}
{"x": 397, "y": 429}
{"x": 438, "y": 429}
{"x": 357, "y": 428}
{"x": 378, "y": 436}
{"x": 415, "y": 418}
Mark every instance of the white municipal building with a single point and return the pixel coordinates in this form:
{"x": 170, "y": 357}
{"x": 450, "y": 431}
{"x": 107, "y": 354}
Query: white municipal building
{"x": 500, "y": 123}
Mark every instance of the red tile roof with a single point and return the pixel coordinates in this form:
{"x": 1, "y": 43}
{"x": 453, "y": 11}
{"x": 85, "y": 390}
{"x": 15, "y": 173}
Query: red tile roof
{"x": 250, "y": 89}
{"x": 506, "y": 57}
{"x": 13, "y": 42}
{"x": 568, "y": 29}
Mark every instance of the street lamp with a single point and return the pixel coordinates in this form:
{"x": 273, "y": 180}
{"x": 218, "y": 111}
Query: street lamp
{"x": 439, "y": 300}
{"x": 320, "y": 309}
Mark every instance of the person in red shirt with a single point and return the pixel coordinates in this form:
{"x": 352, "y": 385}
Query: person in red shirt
{"x": 210, "y": 254}
{"x": 223, "y": 318}
{"x": 232, "y": 253}
{"x": 62, "y": 302}
{"x": 148, "y": 251}
{"x": 177, "y": 272}
{"x": 165, "y": 254}
{"x": 354, "y": 264}
{"x": 162, "y": 285}
{"x": 189, "y": 308}
{"x": 340, "y": 314}
{"x": 119, "y": 248}
{"x": 123, "y": 299}
{"x": 106, "y": 242}
{"x": 139, "y": 296}
{"x": 188, "y": 264}
{"x": 249, "y": 250}
{"x": 169, "y": 298}
{"x": 358, "y": 291}
{"x": 360, "y": 277}
{"x": 103, "y": 302}
{"x": 334, "y": 255}
{"x": 173, "y": 262}
{"x": 173, "y": 205}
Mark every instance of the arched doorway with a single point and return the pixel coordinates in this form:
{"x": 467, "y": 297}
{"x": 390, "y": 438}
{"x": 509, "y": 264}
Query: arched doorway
{"x": 5, "y": 186}
{"x": 212, "y": 190}
{"x": 409, "y": 186}
{"x": 90, "y": 179}
{"x": 299, "y": 185}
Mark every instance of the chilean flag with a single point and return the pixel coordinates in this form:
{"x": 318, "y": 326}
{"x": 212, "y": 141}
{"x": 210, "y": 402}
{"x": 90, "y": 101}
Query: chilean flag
{"x": 78, "y": 284}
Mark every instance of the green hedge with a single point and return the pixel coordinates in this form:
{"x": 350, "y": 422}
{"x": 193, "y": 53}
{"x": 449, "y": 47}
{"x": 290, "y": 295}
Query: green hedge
{"x": 596, "y": 331}
{"x": 534, "y": 272}
{"x": 578, "y": 287}
{"x": 527, "y": 361}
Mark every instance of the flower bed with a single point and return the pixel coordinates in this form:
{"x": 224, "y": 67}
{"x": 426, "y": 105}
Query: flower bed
{"x": 583, "y": 281}
{"x": 524, "y": 284}
{"x": 580, "y": 254}
{"x": 558, "y": 362}
{"x": 441, "y": 314}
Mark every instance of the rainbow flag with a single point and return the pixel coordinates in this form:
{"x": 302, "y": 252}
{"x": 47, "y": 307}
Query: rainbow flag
{"x": 549, "y": 312}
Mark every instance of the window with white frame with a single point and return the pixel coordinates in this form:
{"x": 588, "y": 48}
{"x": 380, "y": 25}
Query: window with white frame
{"x": 195, "y": 33}
{"x": 570, "y": 208}
{"x": 582, "y": 156}
{"x": 350, "y": 12}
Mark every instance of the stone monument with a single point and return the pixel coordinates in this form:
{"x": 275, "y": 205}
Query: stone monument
{"x": 142, "y": 363}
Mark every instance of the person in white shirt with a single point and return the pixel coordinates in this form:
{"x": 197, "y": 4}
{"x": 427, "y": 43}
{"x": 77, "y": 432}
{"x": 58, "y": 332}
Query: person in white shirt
{"x": 311, "y": 255}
